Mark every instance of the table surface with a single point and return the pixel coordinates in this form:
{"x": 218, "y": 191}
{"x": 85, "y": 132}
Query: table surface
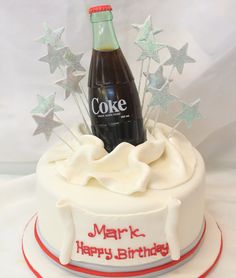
{"x": 17, "y": 205}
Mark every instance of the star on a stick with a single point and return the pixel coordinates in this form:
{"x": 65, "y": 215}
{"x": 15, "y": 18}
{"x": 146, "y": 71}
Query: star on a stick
{"x": 55, "y": 58}
{"x": 71, "y": 83}
{"x": 161, "y": 97}
{"x": 156, "y": 80}
{"x": 144, "y": 30}
{"x": 46, "y": 124}
{"x": 150, "y": 48}
{"x": 179, "y": 58}
{"x": 189, "y": 113}
{"x": 45, "y": 104}
{"x": 52, "y": 37}
{"x": 73, "y": 60}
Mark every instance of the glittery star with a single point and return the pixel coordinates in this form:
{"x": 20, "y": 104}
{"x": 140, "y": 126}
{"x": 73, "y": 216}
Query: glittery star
{"x": 150, "y": 48}
{"x": 71, "y": 83}
{"x": 144, "y": 30}
{"x": 52, "y": 37}
{"x": 45, "y": 104}
{"x": 161, "y": 97}
{"x": 156, "y": 80}
{"x": 46, "y": 124}
{"x": 189, "y": 113}
{"x": 73, "y": 60}
{"x": 179, "y": 58}
{"x": 55, "y": 58}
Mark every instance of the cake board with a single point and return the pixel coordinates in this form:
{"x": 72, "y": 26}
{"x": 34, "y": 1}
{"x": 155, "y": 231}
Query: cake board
{"x": 200, "y": 264}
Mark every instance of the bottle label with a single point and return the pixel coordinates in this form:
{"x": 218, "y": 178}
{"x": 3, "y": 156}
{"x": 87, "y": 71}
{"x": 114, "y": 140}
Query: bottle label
{"x": 108, "y": 107}
{"x": 114, "y": 103}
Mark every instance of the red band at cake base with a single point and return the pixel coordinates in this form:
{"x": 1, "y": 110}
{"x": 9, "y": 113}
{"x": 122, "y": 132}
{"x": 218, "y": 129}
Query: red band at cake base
{"x": 138, "y": 273}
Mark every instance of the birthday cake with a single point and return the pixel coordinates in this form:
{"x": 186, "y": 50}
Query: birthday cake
{"x": 127, "y": 201}
{"x": 134, "y": 209}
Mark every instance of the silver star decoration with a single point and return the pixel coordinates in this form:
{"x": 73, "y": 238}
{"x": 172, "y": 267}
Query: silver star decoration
{"x": 161, "y": 97}
{"x": 46, "y": 124}
{"x": 144, "y": 30}
{"x": 71, "y": 83}
{"x": 189, "y": 113}
{"x": 150, "y": 48}
{"x": 179, "y": 58}
{"x": 156, "y": 80}
{"x": 73, "y": 60}
{"x": 55, "y": 58}
{"x": 52, "y": 37}
{"x": 45, "y": 104}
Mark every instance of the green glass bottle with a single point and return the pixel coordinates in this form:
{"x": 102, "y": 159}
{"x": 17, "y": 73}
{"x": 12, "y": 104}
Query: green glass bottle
{"x": 114, "y": 103}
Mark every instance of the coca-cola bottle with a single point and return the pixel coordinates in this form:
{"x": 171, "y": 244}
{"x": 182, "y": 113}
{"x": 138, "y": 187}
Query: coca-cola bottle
{"x": 114, "y": 103}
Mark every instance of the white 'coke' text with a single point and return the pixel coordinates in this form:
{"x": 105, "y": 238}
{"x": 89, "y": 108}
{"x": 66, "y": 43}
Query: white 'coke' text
{"x": 109, "y": 106}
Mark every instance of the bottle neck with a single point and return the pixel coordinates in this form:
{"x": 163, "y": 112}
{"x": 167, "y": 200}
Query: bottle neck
{"x": 104, "y": 37}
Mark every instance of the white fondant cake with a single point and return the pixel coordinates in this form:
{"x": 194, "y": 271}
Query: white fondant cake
{"x": 134, "y": 209}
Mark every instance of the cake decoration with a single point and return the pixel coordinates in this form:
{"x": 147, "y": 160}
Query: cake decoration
{"x": 55, "y": 58}
{"x": 61, "y": 57}
{"x": 144, "y": 30}
{"x": 45, "y": 104}
{"x": 156, "y": 80}
{"x": 52, "y": 37}
{"x": 156, "y": 84}
{"x": 189, "y": 113}
{"x": 200, "y": 265}
{"x": 171, "y": 247}
{"x": 171, "y": 228}
{"x": 179, "y": 58}
{"x": 46, "y": 124}
{"x": 74, "y": 60}
{"x": 161, "y": 97}
{"x": 128, "y": 169}
{"x": 65, "y": 212}
{"x": 150, "y": 49}
{"x": 72, "y": 87}
{"x": 121, "y": 202}
{"x": 71, "y": 83}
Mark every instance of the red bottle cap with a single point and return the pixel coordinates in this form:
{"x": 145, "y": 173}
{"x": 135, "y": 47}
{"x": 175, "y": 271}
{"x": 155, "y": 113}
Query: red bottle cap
{"x": 98, "y": 9}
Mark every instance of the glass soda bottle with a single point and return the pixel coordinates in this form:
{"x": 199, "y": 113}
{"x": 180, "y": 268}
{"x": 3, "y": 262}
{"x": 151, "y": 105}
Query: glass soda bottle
{"x": 114, "y": 103}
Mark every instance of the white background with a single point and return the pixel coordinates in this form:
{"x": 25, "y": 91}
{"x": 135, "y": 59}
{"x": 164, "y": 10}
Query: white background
{"x": 210, "y": 28}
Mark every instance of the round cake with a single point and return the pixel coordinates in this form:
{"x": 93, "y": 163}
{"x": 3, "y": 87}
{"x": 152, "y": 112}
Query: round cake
{"x": 134, "y": 212}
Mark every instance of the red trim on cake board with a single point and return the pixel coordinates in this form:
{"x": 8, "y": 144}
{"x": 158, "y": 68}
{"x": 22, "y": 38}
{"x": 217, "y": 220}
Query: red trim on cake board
{"x": 35, "y": 272}
{"x": 217, "y": 258}
{"x": 119, "y": 274}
